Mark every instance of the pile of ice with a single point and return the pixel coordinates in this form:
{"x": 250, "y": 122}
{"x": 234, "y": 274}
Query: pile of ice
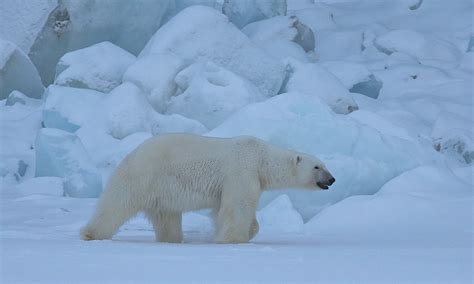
{"x": 99, "y": 67}
{"x": 373, "y": 97}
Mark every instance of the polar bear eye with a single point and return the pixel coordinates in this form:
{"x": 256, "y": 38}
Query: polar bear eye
{"x": 316, "y": 168}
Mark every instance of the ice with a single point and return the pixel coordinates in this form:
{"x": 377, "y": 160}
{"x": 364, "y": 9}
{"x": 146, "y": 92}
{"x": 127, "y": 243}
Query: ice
{"x": 70, "y": 108}
{"x": 403, "y": 78}
{"x": 209, "y": 93}
{"x": 22, "y": 20}
{"x": 129, "y": 112}
{"x": 454, "y": 135}
{"x": 61, "y": 154}
{"x": 427, "y": 49}
{"x": 16, "y": 97}
{"x": 201, "y": 33}
{"x": 17, "y": 72}
{"x": 18, "y": 126}
{"x": 154, "y": 74}
{"x": 355, "y": 77}
{"x": 429, "y": 203}
{"x": 360, "y": 157}
{"x": 467, "y": 62}
{"x": 243, "y": 12}
{"x": 337, "y": 45}
{"x": 175, "y": 6}
{"x": 98, "y": 67}
{"x": 282, "y": 36}
{"x": 77, "y": 24}
{"x": 312, "y": 78}
{"x": 280, "y": 216}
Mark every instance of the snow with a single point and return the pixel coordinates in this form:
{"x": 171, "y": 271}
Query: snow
{"x": 154, "y": 74}
{"x": 385, "y": 100}
{"x": 200, "y": 33}
{"x": 243, "y": 12}
{"x": 17, "y": 72}
{"x": 316, "y": 80}
{"x": 282, "y": 36}
{"x": 99, "y": 67}
{"x": 210, "y": 94}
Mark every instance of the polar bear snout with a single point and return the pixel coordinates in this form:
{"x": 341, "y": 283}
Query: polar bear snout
{"x": 327, "y": 181}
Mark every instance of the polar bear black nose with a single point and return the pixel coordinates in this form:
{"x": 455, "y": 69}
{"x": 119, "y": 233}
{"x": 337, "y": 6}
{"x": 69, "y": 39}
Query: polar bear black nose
{"x": 332, "y": 180}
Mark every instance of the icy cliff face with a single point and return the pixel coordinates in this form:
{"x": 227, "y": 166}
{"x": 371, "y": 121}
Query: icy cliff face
{"x": 77, "y": 24}
{"x": 17, "y": 72}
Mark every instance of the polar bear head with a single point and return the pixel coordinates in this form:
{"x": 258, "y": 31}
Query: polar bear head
{"x": 311, "y": 173}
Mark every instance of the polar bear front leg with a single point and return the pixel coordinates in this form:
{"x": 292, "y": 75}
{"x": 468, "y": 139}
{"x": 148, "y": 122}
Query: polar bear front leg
{"x": 237, "y": 213}
{"x": 167, "y": 225}
{"x": 254, "y": 228}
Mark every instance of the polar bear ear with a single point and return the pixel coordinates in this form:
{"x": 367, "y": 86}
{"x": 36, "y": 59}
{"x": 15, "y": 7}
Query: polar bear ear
{"x": 298, "y": 159}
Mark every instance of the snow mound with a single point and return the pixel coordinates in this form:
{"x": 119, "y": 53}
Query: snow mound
{"x": 427, "y": 49}
{"x": 355, "y": 77}
{"x": 338, "y": 44}
{"x": 154, "y": 74}
{"x": 16, "y": 97}
{"x": 282, "y": 36}
{"x": 209, "y": 94}
{"x": 17, "y": 72}
{"x": 313, "y": 79}
{"x": 98, "y": 67}
{"x": 454, "y": 135}
{"x": 61, "y": 154}
{"x": 428, "y": 202}
{"x": 201, "y": 33}
{"x": 280, "y": 216}
{"x": 243, "y": 12}
{"x": 129, "y": 112}
{"x": 70, "y": 108}
{"x": 409, "y": 78}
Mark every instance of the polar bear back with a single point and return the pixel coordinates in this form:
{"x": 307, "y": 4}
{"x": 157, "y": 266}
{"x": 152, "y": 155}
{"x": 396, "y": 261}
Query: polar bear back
{"x": 186, "y": 172}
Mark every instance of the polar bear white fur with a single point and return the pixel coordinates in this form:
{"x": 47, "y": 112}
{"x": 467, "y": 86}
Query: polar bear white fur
{"x": 174, "y": 173}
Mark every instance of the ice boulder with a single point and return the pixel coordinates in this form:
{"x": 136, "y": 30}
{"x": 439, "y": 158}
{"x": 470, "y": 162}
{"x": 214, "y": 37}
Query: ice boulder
{"x": 428, "y": 49}
{"x": 454, "y": 135}
{"x": 242, "y": 12}
{"x": 154, "y": 74}
{"x": 128, "y": 111}
{"x": 201, "y": 33}
{"x": 99, "y": 67}
{"x": 355, "y": 77}
{"x": 313, "y": 79}
{"x": 17, "y": 72}
{"x": 209, "y": 93}
{"x": 338, "y": 44}
{"x": 404, "y": 78}
{"x": 61, "y": 154}
{"x": 282, "y": 36}
{"x": 70, "y": 108}
{"x": 125, "y": 110}
{"x": 16, "y": 97}
{"x": 77, "y": 24}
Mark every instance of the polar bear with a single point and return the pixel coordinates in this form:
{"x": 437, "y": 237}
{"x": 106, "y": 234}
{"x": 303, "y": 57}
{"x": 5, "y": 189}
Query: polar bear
{"x": 175, "y": 173}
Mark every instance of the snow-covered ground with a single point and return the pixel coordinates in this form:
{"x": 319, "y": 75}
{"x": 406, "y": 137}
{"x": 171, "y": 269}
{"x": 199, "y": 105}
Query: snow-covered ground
{"x": 381, "y": 91}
